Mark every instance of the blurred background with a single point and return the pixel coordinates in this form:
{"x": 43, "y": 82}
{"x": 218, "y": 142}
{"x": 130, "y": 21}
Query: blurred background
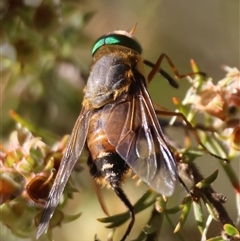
{"x": 46, "y": 55}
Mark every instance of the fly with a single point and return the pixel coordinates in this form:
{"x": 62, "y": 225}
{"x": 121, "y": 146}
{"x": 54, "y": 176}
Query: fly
{"x": 118, "y": 126}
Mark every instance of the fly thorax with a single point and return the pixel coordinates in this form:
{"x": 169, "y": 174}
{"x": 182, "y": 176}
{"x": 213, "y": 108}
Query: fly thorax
{"x": 111, "y": 76}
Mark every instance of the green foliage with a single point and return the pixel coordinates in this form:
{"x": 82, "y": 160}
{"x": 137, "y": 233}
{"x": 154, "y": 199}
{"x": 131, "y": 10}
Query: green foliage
{"x": 40, "y": 76}
{"x": 42, "y": 80}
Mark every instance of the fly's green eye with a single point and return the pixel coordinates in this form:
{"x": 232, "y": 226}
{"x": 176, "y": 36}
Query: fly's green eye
{"x": 117, "y": 39}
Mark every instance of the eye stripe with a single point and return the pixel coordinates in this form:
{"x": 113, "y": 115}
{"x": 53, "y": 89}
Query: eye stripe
{"x": 117, "y": 39}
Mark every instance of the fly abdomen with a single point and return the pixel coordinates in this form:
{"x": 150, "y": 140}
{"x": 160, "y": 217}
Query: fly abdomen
{"x": 97, "y": 141}
{"x": 106, "y": 166}
{"x": 111, "y": 170}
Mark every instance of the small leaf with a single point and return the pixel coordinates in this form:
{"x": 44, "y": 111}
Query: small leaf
{"x": 200, "y": 77}
{"x": 184, "y": 109}
{"x": 155, "y": 223}
{"x": 190, "y": 154}
{"x": 110, "y": 235}
{"x": 18, "y": 234}
{"x": 194, "y": 66}
{"x": 141, "y": 204}
{"x": 57, "y": 218}
{"x": 35, "y": 130}
{"x": 218, "y": 238}
{"x": 96, "y": 238}
{"x": 214, "y": 146}
{"x": 147, "y": 195}
{"x": 206, "y": 182}
{"x": 231, "y": 230}
{"x": 153, "y": 226}
{"x": 175, "y": 209}
{"x": 160, "y": 204}
{"x": 115, "y": 220}
{"x": 68, "y": 218}
{"x": 184, "y": 215}
{"x": 142, "y": 236}
{"x": 179, "y": 235}
{"x": 199, "y": 216}
{"x": 207, "y": 225}
{"x": 211, "y": 211}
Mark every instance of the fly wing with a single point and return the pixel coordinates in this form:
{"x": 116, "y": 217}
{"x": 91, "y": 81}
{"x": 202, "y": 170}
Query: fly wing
{"x": 132, "y": 127}
{"x": 72, "y": 153}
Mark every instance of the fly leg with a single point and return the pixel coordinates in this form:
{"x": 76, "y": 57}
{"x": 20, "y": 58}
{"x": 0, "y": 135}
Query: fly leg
{"x": 111, "y": 170}
{"x": 120, "y": 193}
{"x": 156, "y": 69}
{"x": 170, "y": 80}
{"x": 192, "y": 129}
